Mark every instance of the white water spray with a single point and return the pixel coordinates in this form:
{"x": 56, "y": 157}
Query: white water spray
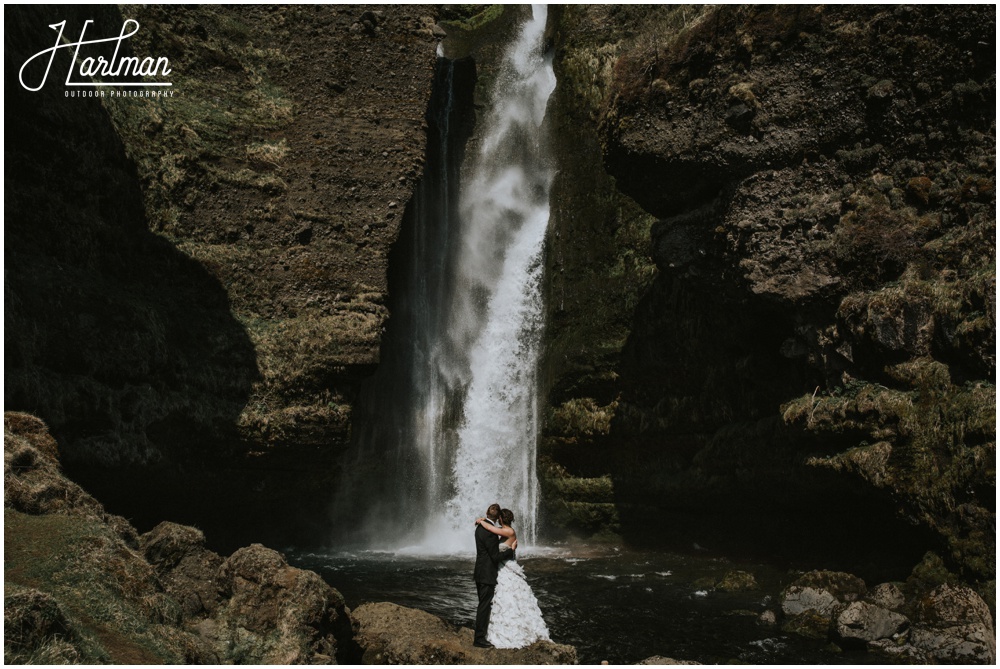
{"x": 451, "y": 415}
{"x": 494, "y": 322}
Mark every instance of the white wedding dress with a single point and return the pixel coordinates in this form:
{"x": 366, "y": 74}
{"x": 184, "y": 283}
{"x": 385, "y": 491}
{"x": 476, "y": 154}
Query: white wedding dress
{"x": 516, "y": 620}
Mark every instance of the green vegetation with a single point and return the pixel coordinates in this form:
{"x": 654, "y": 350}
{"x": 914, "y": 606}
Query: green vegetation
{"x": 98, "y": 604}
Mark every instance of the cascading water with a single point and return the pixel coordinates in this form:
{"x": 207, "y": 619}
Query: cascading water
{"x": 451, "y": 415}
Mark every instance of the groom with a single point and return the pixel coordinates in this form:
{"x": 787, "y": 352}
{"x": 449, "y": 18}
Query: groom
{"x": 485, "y": 574}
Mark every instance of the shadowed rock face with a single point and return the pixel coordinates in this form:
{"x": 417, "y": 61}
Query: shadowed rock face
{"x": 812, "y": 364}
{"x": 196, "y": 286}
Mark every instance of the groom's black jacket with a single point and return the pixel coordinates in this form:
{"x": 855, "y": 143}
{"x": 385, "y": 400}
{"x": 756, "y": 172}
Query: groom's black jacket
{"x": 487, "y": 556}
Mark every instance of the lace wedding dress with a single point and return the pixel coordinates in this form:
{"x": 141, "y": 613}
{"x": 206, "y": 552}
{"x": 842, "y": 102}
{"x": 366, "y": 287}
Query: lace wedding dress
{"x": 516, "y": 620}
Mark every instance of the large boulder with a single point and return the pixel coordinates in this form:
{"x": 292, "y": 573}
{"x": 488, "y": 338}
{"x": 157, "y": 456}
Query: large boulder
{"x": 955, "y": 626}
{"x": 811, "y": 602}
{"x": 187, "y": 569}
{"x": 392, "y": 634}
{"x": 273, "y": 613}
{"x": 861, "y": 622}
{"x": 821, "y": 592}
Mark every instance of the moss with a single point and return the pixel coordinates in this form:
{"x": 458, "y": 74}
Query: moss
{"x": 937, "y": 454}
{"x": 582, "y": 416}
{"x": 477, "y": 21}
{"x": 737, "y": 581}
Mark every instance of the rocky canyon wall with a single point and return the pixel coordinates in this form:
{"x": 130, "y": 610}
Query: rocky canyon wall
{"x": 809, "y": 369}
{"x": 196, "y": 285}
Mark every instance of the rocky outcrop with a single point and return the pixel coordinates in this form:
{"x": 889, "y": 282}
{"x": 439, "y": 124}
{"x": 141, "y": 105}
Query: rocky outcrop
{"x": 947, "y": 623}
{"x": 187, "y": 569}
{"x": 861, "y": 622}
{"x": 392, "y": 634}
{"x": 955, "y": 626}
{"x": 81, "y": 587}
{"x": 819, "y": 328}
{"x": 277, "y": 614}
{"x": 811, "y": 602}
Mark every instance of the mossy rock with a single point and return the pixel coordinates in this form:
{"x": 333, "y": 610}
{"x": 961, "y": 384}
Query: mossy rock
{"x": 810, "y": 625}
{"x": 737, "y": 581}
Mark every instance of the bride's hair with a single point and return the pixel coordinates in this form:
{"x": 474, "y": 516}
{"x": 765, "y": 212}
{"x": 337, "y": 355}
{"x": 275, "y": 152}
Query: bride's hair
{"x": 507, "y": 516}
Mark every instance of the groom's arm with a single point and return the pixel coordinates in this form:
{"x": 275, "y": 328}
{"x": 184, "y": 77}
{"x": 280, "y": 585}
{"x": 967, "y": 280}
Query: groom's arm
{"x": 492, "y": 547}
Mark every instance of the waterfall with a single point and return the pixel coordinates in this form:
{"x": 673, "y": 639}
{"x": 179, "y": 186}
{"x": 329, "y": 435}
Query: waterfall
{"x": 451, "y": 416}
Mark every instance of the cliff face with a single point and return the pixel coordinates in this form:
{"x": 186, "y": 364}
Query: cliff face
{"x": 196, "y": 285}
{"x": 812, "y": 365}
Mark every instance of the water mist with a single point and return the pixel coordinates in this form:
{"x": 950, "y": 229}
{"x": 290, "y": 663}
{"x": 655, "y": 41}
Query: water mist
{"x": 449, "y": 423}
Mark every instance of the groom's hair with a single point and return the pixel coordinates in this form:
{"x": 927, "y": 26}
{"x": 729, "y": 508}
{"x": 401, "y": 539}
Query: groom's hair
{"x": 493, "y": 512}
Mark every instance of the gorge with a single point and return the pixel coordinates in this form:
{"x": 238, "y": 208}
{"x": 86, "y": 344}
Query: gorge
{"x": 763, "y": 240}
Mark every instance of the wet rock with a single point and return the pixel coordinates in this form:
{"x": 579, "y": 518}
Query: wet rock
{"x": 767, "y": 619}
{"x": 861, "y": 622}
{"x": 187, "y": 569}
{"x": 392, "y": 634}
{"x": 275, "y": 613}
{"x": 659, "y": 659}
{"x": 737, "y": 581}
{"x": 955, "y": 626}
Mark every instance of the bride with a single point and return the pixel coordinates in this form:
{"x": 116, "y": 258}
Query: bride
{"x": 516, "y": 620}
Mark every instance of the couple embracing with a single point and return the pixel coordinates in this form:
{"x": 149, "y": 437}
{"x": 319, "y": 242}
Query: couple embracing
{"x": 508, "y": 615}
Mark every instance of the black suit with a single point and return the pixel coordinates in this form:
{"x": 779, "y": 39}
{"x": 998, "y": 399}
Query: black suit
{"x": 485, "y": 574}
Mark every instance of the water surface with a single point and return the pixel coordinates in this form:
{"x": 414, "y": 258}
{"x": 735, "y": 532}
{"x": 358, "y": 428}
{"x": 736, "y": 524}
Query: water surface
{"x": 615, "y": 605}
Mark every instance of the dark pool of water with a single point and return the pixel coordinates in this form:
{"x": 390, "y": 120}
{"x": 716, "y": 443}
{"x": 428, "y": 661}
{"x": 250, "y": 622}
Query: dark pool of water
{"x": 615, "y": 605}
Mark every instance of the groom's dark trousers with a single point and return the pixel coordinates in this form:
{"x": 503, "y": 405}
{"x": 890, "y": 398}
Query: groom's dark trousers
{"x": 485, "y": 574}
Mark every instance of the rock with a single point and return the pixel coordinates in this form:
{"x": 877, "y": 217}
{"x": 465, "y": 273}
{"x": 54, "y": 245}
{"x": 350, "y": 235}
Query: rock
{"x": 739, "y": 117}
{"x": 797, "y": 600}
{"x": 737, "y": 581}
{"x": 955, "y": 626}
{"x": 438, "y": 32}
{"x": 888, "y": 596}
{"x": 392, "y": 634}
{"x": 812, "y": 601}
{"x": 659, "y": 659}
{"x": 895, "y": 650}
{"x": 809, "y": 624}
{"x": 275, "y": 613}
{"x": 187, "y": 569}
{"x": 861, "y": 622}
{"x": 767, "y": 619}
{"x": 845, "y": 587}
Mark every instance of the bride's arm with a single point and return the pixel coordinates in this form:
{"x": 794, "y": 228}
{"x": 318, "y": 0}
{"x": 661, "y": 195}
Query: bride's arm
{"x": 502, "y": 531}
